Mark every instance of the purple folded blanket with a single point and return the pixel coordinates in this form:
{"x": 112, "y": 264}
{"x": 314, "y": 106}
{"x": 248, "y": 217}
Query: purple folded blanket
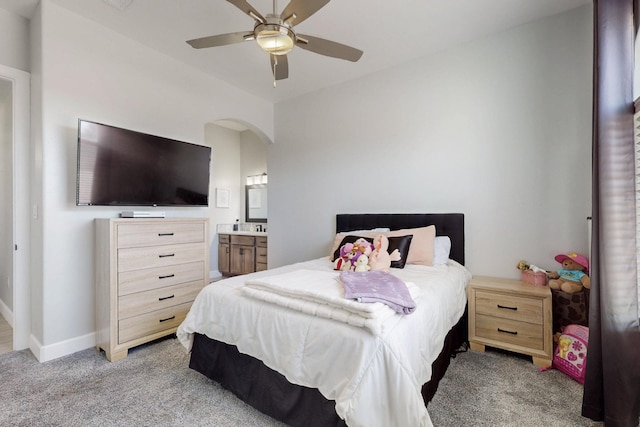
{"x": 378, "y": 286}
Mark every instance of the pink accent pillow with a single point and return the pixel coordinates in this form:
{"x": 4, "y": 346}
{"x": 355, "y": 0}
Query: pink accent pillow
{"x": 420, "y": 250}
{"x": 570, "y": 355}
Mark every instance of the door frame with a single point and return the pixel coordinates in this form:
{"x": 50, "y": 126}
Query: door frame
{"x": 21, "y": 144}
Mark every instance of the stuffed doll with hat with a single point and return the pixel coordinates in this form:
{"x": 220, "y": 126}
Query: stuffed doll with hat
{"x": 574, "y": 274}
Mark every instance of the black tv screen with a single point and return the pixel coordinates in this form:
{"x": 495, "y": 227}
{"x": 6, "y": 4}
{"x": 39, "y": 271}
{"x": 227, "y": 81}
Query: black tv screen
{"x": 120, "y": 167}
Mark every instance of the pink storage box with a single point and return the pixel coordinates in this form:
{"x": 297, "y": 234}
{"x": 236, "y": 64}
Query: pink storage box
{"x": 534, "y": 278}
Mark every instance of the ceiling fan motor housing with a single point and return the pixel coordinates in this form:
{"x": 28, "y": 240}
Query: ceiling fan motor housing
{"x": 274, "y": 36}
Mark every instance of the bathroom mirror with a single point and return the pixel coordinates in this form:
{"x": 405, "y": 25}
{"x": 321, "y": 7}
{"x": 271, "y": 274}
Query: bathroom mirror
{"x": 256, "y": 203}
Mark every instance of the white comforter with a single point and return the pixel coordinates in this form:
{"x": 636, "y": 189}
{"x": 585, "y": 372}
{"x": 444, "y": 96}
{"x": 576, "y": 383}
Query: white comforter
{"x": 320, "y": 293}
{"x": 376, "y": 380}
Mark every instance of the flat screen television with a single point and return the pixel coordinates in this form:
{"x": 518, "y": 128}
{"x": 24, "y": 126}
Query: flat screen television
{"x": 121, "y": 167}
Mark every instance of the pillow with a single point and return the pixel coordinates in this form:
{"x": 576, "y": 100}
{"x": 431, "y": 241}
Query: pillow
{"x": 570, "y": 355}
{"x": 441, "y": 249}
{"x": 420, "y": 251}
{"x": 401, "y": 243}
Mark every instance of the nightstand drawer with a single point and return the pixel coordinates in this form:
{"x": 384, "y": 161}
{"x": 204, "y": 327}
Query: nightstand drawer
{"x": 510, "y": 332}
{"x": 512, "y": 307}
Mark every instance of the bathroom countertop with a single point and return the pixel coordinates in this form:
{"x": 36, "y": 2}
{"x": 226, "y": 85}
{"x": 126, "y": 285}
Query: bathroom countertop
{"x": 245, "y": 233}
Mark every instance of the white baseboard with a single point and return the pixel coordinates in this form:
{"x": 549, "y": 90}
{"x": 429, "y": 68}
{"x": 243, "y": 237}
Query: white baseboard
{"x": 6, "y": 312}
{"x": 44, "y": 353}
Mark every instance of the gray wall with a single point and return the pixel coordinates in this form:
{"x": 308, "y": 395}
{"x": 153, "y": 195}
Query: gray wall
{"x": 14, "y": 41}
{"x": 499, "y": 129}
{"x": 80, "y": 69}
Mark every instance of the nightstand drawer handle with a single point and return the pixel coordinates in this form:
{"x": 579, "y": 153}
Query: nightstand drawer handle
{"x": 168, "y": 318}
{"x": 508, "y": 308}
{"x": 167, "y": 276}
{"x": 164, "y": 234}
{"x": 508, "y": 332}
{"x": 165, "y": 255}
{"x": 164, "y": 298}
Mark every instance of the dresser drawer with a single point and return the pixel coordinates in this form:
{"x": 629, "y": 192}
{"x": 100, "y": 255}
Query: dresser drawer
{"x": 509, "y": 331}
{"x": 242, "y": 240}
{"x": 159, "y": 256}
{"x": 150, "y": 323}
{"x": 509, "y": 306}
{"x": 156, "y": 299}
{"x": 151, "y": 278}
{"x": 162, "y": 233}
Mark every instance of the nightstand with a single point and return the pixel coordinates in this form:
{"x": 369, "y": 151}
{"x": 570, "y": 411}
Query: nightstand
{"x": 511, "y": 315}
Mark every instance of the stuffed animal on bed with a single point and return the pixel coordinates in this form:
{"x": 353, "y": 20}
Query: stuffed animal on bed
{"x": 351, "y": 252}
{"x": 380, "y": 258}
{"x": 362, "y": 264}
{"x": 574, "y": 274}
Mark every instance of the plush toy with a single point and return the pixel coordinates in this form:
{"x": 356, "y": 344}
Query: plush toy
{"x": 362, "y": 264}
{"x": 363, "y": 246}
{"x": 343, "y": 262}
{"x": 380, "y": 259}
{"x": 574, "y": 274}
{"x": 351, "y": 252}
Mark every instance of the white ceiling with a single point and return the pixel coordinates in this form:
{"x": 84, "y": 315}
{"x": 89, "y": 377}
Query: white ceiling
{"x": 389, "y": 32}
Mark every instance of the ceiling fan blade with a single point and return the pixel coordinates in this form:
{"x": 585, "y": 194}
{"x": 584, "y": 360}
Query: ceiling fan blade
{"x": 220, "y": 40}
{"x": 244, "y": 6}
{"x": 302, "y": 9}
{"x": 279, "y": 66}
{"x": 328, "y": 48}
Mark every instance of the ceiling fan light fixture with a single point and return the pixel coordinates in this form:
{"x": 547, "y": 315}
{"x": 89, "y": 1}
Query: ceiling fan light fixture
{"x": 275, "y": 39}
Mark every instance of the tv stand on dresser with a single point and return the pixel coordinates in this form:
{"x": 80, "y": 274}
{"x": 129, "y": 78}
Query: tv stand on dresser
{"x": 148, "y": 272}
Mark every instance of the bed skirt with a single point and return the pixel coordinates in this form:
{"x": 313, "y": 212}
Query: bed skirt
{"x": 269, "y": 391}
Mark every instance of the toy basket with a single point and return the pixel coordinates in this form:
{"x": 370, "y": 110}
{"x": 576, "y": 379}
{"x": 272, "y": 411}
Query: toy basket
{"x": 534, "y": 278}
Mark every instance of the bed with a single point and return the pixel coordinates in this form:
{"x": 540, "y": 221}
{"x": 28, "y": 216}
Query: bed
{"x": 314, "y": 371}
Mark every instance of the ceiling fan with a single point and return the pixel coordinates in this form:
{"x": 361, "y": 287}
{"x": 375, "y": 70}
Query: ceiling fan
{"x": 276, "y": 36}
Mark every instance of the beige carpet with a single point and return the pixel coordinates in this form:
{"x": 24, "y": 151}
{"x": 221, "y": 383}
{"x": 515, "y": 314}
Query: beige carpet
{"x": 153, "y": 386}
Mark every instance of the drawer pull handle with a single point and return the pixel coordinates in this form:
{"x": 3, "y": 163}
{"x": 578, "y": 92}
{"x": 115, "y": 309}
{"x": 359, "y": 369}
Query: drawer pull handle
{"x": 168, "y": 318}
{"x": 506, "y": 307}
{"x": 508, "y": 332}
{"x": 165, "y": 234}
{"x": 164, "y": 298}
{"x": 166, "y": 255}
{"x": 167, "y": 276}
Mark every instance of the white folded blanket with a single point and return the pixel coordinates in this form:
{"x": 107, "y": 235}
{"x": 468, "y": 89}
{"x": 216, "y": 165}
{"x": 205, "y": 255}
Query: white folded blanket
{"x": 319, "y": 293}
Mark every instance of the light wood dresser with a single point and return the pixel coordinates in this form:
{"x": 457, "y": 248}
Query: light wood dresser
{"x": 511, "y": 315}
{"x": 148, "y": 272}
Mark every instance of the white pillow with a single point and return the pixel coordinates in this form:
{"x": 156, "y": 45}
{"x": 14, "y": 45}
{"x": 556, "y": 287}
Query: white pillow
{"x": 441, "y": 249}
{"x": 373, "y": 229}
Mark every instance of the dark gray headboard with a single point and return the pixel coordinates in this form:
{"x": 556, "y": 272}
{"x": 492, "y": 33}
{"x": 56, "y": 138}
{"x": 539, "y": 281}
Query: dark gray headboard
{"x": 447, "y": 224}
